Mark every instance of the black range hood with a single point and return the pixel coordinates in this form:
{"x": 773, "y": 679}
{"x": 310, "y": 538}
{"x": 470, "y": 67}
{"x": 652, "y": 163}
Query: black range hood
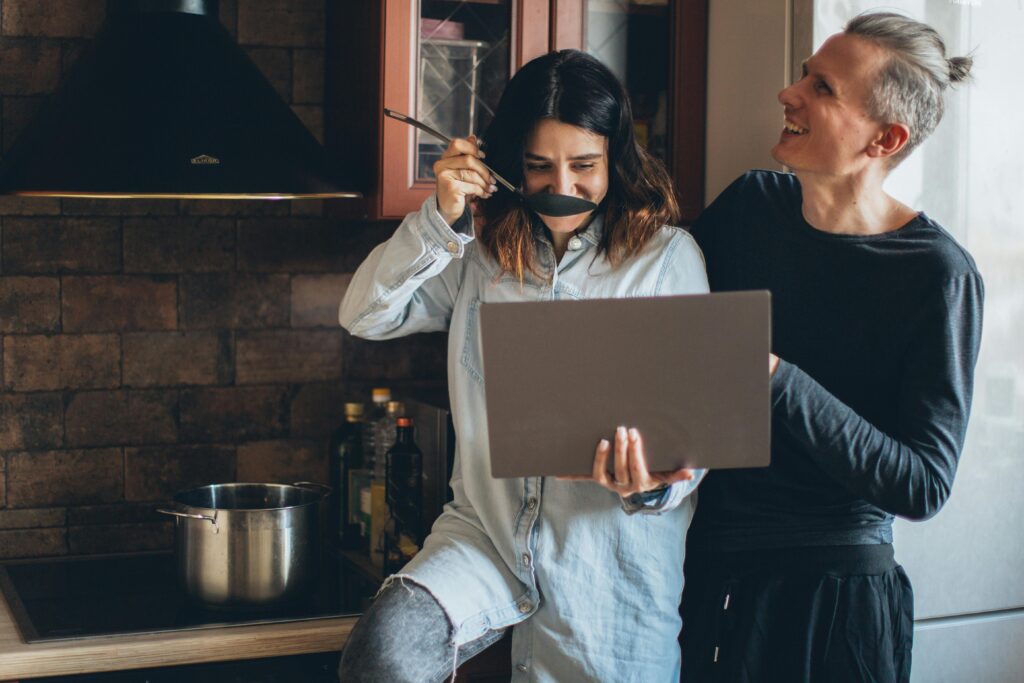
{"x": 165, "y": 104}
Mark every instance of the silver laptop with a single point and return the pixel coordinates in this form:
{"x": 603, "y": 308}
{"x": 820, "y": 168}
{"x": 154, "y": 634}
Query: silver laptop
{"x": 690, "y": 372}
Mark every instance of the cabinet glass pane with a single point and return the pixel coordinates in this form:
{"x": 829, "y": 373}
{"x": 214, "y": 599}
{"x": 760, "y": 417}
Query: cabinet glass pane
{"x": 632, "y": 38}
{"x": 463, "y": 67}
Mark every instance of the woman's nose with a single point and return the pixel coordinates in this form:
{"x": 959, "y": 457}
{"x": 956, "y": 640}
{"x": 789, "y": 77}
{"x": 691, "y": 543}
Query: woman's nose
{"x": 563, "y": 182}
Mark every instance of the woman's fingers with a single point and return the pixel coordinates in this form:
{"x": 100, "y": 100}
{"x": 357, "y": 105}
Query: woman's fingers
{"x": 460, "y": 176}
{"x": 628, "y": 467}
{"x": 460, "y": 146}
{"x": 638, "y": 473}
{"x": 465, "y": 181}
{"x": 462, "y": 154}
{"x": 468, "y": 165}
{"x": 623, "y": 446}
{"x": 454, "y": 188}
{"x": 457, "y": 187}
{"x": 627, "y": 472}
{"x": 600, "y": 470}
{"x": 636, "y": 461}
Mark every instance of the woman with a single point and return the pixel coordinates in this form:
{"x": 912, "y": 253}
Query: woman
{"x": 591, "y": 588}
{"x": 876, "y": 324}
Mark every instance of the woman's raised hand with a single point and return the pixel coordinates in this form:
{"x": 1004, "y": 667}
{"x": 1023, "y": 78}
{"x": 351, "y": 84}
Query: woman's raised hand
{"x": 460, "y": 177}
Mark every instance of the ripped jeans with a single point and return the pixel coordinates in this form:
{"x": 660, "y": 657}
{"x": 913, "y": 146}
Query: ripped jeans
{"x": 405, "y": 637}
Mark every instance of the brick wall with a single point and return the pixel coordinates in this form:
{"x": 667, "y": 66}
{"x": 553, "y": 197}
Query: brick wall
{"x": 150, "y": 346}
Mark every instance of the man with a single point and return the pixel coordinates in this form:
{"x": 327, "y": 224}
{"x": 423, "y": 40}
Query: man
{"x": 877, "y": 313}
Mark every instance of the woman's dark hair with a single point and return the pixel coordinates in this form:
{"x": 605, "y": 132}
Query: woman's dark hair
{"x": 574, "y": 88}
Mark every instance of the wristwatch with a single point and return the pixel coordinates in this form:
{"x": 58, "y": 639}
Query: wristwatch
{"x": 652, "y": 498}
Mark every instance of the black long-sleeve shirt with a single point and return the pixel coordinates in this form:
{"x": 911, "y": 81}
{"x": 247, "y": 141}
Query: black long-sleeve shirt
{"x": 878, "y": 337}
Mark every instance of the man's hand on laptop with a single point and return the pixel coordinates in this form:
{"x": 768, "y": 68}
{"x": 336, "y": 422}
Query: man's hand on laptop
{"x": 628, "y": 473}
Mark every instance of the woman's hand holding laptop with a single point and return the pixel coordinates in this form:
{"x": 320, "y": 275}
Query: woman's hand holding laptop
{"x": 628, "y": 474}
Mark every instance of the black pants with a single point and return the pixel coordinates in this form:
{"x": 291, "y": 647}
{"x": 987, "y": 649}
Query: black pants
{"x": 821, "y": 615}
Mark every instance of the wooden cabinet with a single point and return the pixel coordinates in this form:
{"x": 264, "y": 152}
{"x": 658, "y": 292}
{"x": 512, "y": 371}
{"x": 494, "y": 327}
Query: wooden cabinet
{"x": 658, "y": 49}
{"x": 446, "y": 62}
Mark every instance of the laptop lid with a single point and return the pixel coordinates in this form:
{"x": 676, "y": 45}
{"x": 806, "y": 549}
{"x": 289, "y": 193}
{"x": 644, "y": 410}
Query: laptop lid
{"x": 690, "y": 372}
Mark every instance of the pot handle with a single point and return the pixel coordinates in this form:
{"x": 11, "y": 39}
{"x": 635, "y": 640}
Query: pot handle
{"x": 175, "y": 513}
{"x": 327, "y": 490}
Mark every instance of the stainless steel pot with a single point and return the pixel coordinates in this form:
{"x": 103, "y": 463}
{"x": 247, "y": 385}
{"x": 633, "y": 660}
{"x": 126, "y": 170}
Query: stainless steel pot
{"x": 248, "y": 545}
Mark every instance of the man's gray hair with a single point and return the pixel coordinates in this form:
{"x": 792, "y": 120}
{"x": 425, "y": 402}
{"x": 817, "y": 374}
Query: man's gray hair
{"x": 910, "y": 85}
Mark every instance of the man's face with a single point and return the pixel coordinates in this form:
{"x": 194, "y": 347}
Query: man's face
{"x": 827, "y": 129}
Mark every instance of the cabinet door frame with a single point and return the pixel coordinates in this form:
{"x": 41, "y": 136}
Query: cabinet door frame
{"x": 399, "y": 191}
{"x": 385, "y": 55}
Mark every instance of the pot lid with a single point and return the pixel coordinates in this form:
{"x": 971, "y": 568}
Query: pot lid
{"x": 165, "y": 104}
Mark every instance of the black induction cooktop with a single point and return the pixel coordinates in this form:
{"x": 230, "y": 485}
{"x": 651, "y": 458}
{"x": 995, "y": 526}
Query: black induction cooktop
{"x": 86, "y": 597}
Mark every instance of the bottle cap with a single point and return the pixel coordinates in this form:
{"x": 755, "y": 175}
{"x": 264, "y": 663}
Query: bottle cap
{"x": 381, "y": 395}
{"x": 396, "y": 407}
{"x": 404, "y": 422}
{"x": 354, "y": 410}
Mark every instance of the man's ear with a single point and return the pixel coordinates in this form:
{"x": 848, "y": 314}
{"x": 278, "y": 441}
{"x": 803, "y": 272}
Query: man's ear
{"x": 890, "y": 140}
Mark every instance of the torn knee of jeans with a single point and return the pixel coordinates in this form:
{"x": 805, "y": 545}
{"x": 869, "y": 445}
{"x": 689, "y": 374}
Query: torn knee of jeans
{"x": 401, "y": 578}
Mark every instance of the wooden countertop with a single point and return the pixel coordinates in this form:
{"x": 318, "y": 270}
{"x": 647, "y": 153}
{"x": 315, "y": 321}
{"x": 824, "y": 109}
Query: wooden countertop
{"x": 19, "y": 660}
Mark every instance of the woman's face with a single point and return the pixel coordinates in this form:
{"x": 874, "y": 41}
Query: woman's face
{"x": 564, "y": 159}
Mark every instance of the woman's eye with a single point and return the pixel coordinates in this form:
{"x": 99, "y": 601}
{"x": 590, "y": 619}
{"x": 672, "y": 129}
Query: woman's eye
{"x": 537, "y": 167}
{"x": 583, "y": 167}
{"x": 822, "y": 86}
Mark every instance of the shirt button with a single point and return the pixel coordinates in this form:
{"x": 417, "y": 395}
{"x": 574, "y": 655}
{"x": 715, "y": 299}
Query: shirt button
{"x": 531, "y": 504}
{"x": 525, "y": 606}
{"x": 452, "y": 247}
{"x": 526, "y": 559}
{"x": 521, "y": 668}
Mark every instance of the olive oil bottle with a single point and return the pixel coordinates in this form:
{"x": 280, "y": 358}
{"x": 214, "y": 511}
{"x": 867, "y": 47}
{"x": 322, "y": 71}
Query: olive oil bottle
{"x": 346, "y": 457}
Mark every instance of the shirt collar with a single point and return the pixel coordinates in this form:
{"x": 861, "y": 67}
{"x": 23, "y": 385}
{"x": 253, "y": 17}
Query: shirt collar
{"x": 592, "y": 233}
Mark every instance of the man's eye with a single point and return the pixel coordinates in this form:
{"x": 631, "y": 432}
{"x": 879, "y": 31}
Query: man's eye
{"x": 537, "y": 167}
{"x": 822, "y": 86}
{"x": 584, "y": 167}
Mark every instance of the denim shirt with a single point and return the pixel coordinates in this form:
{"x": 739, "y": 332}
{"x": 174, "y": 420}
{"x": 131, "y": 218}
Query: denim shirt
{"x": 593, "y": 590}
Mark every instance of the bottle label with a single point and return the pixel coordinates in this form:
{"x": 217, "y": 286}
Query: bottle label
{"x": 365, "y": 509}
{"x": 360, "y": 502}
